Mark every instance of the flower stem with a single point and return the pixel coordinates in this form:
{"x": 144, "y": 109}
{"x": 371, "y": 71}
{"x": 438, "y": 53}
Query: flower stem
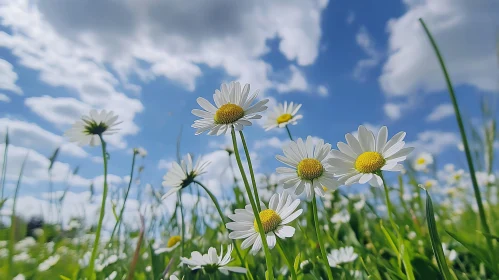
{"x": 102, "y": 212}
{"x": 252, "y": 174}
{"x": 268, "y": 257}
{"x": 120, "y": 216}
{"x": 289, "y": 133}
{"x": 288, "y": 261}
{"x": 217, "y": 205}
{"x": 467, "y": 151}
{"x": 319, "y": 238}
{"x": 183, "y": 227}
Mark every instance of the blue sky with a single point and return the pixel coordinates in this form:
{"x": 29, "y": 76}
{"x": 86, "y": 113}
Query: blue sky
{"x": 347, "y": 62}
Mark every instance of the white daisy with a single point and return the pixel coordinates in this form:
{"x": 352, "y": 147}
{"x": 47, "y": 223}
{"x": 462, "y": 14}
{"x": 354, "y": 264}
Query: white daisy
{"x": 422, "y": 161}
{"x": 173, "y": 243}
{"x": 430, "y": 183}
{"x": 48, "y": 263}
{"x": 274, "y": 220}
{"x": 450, "y": 254}
{"x": 341, "y": 217}
{"x": 181, "y": 175}
{"x": 140, "y": 151}
{"x": 362, "y": 159}
{"x": 282, "y": 115}
{"x": 212, "y": 262}
{"x": 87, "y": 130}
{"x": 309, "y": 168}
{"x": 233, "y": 109}
{"x": 342, "y": 255}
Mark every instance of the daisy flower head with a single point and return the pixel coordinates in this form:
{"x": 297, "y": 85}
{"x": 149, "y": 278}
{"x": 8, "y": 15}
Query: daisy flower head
{"x": 172, "y": 243}
{"x": 182, "y": 175}
{"x": 282, "y": 115}
{"x": 308, "y": 167}
{"x": 342, "y": 255}
{"x": 233, "y": 109}
{"x": 364, "y": 157}
{"x": 422, "y": 161}
{"x": 211, "y": 262}
{"x": 275, "y": 220}
{"x": 87, "y": 130}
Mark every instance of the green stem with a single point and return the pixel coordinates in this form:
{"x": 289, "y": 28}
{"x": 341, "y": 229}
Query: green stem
{"x": 102, "y": 212}
{"x": 467, "y": 151}
{"x": 288, "y": 261}
{"x": 219, "y": 210}
{"x": 268, "y": 257}
{"x": 120, "y": 216}
{"x": 13, "y": 222}
{"x": 319, "y": 238}
{"x": 388, "y": 203}
{"x": 289, "y": 133}
{"x": 182, "y": 228}
{"x": 252, "y": 174}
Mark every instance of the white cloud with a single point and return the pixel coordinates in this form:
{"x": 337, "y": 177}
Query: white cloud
{"x": 32, "y": 136}
{"x": 322, "y": 90}
{"x": 434, "y": 141}
{"x": 297, "y": 82}
{"x": 165, "y": 164}
{"x": 60, "y": 110}
{"x": 273, "y": 142}
{"x": 440, "y": 112}
{"x": 163, "y": 39}
{"x": 366, "y": 43}
{"x": 36, "y": 169}
{"x": 4, "y": 98}
{"x": 465, "y": 32}
{"x": 8, "y": 77}
{"x": 63, "y": 62}
{"x": 393, "y": 110}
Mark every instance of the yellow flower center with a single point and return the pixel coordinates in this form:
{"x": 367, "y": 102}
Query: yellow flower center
{"x": 270, "y": 220}
{"x": 173, "y": 241}
{"x": 421, "y": 161}
{"x": 369, "y": 162}
{"x": 428, "y": 184}
{"x": 309, "y": 169}
{"x": 284, "y": 118}
{"x": 228, "y": 113}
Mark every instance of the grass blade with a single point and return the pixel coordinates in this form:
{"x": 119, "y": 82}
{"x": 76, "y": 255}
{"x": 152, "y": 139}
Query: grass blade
{"x": 467, "y": 151}
{"x": 436, "y": 244}
{"x": 13, "y": 221}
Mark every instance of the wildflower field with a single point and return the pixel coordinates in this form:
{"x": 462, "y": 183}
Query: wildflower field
{"x": 411, "y": 220}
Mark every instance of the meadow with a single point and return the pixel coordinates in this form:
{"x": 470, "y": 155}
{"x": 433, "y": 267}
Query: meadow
{"x": 411, "y": 221}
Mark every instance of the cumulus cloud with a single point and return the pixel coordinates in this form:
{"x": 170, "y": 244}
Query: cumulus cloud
{"x": 435, "y": 141}
{"x": 8, "y": 77}
{"x": 297, "y": 82}
{"x": 273, "y": 142}
{"x": 366, "y": 43}
{"x": 322, "y": 90}
{"x": 36, "y": 168}
{"x": 58, "y": 110}
{"x": 440, "y": 112}
{"x": 392, "y": 110}
{"x": 457, "y": 26}
{"x": 4, "y": 98}
{"x": 30, "y": 135}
